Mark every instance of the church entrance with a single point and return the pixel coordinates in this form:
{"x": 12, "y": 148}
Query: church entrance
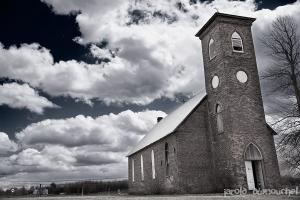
{"x": 254, "y": 168}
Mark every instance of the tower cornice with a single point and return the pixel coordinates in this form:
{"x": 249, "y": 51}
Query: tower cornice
{"x": 218, "y": 15}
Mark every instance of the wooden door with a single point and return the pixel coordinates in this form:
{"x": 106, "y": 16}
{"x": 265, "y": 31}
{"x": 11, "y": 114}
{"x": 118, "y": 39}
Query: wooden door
{"x": 249, "y": 174}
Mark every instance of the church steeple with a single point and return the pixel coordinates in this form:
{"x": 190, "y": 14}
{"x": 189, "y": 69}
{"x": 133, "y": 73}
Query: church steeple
{"x": 230, "y": 69}
{"x": 235, "y": 107}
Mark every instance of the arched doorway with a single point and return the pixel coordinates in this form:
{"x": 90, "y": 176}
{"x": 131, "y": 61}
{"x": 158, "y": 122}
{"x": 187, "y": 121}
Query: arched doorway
{"x": 254, "y": 167}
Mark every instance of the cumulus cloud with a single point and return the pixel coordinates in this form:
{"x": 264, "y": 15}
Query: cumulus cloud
{"x": 75, "y": 144}
{"x": 23, "y": 96}
{"x": 126, "y": 78}
{"x": 6, "y": 145}
{"x": 164, "y": 31}
{"x": 150, "y": 45}
{"x": 94, "y": 7}
{"x": 111, "y": 131}
{"x": 50, "y": 157}
{"x": 151, "y": 50}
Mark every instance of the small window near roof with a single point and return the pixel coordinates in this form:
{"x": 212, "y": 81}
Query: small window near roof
{"x": 237, "y": 43}
{"x": 212, "y": 49}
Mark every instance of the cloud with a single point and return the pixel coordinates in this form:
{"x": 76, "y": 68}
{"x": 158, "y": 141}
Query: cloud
{"x": 111, "y": 131}
{"x": 75, "y": 146}
{"x": 151, "y": 50}
{"x": 143, "y": 79}
{"x": 162, "y": 33}
{"x": 94, "y": 7}
{"x": 23, "y": 96}
{"x": 6, "y": 145}
{"x": 50, "y": 157}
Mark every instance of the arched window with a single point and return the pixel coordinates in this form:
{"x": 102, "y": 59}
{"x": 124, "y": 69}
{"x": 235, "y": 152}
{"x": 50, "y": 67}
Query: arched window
{"x": 153, "y": 164}
{"x": 237, "y": 43}
{"x": 212, "y": 49}
{"x": 142, "y": 168}
{"x": 252, "y": 153}
{"x": 167, "y": 158}
{"x": 132, "y": 169}
{"x": 219, "y": 119}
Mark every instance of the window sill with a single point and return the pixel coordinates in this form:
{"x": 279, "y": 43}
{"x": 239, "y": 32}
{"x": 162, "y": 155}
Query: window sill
{"x": 238, "y": 51}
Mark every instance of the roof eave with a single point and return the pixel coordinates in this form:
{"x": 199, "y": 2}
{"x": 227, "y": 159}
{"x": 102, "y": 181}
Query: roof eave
{"x": 134, "y": 152}
{"x": 271, "y": 129}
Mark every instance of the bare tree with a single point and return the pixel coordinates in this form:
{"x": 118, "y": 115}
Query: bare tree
{"x": 283, "y": 45}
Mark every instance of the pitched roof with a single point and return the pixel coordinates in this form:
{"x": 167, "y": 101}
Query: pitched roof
{"x": 169, "y": 124}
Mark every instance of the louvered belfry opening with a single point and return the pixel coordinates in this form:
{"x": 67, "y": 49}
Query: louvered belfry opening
{"x": 237, "y": 43}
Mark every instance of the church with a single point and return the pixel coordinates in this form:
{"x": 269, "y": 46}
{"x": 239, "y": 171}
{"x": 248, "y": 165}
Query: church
{"x": 218, "y": 139}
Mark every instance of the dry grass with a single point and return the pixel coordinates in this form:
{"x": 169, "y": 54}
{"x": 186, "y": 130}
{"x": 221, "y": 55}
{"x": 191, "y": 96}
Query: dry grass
{"x": 165, "y": 197}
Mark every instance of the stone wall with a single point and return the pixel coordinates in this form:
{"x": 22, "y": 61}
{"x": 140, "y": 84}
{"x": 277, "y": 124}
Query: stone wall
{"x": 195, "y": 167}
{"x": 189, "y": 159}
{"x": 162, "y": 183}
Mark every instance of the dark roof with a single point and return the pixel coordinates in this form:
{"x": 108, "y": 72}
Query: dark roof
{"x": 170, "y": 123}
{"x": 217, "y": 14}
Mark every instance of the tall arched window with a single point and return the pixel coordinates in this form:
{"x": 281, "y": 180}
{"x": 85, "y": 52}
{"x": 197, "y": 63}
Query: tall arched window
{"x": 167, "y": 158}
{"x": 132, "y": 169}
{"x": 212, "y": 49}
{"x": 153, "y": 164}
{"x": 219, "y": 118}
{"x": 142, "y": 168}
{"x": 237, "y": 43}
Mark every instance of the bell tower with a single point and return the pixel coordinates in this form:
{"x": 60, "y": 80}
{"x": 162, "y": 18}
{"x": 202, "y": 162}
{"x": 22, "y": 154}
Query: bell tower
{"x": 242, "y": 142}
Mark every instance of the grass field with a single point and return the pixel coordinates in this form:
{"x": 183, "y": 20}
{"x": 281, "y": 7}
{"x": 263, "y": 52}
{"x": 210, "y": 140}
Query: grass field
{"x": 164, "y": 197}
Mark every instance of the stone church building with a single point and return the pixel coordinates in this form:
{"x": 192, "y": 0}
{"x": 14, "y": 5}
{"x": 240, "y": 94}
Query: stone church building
{"x": 217, "y": 140}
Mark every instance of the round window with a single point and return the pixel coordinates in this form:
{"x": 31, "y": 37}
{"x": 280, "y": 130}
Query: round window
{"x": 215, "y": 82}
{"x": 242, "y": 76}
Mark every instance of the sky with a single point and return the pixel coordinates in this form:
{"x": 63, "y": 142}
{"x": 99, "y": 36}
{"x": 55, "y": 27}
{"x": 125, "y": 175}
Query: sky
{"x": 81, "y": 82}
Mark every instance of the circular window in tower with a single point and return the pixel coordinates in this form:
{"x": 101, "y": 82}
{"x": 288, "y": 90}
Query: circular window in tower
{"x": 242, "y": 76}
{"x": 215, "y": 81}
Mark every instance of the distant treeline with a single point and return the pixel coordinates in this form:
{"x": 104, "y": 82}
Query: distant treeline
{"x": 89, "y": 187}
{"x": 84, "y": 187}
